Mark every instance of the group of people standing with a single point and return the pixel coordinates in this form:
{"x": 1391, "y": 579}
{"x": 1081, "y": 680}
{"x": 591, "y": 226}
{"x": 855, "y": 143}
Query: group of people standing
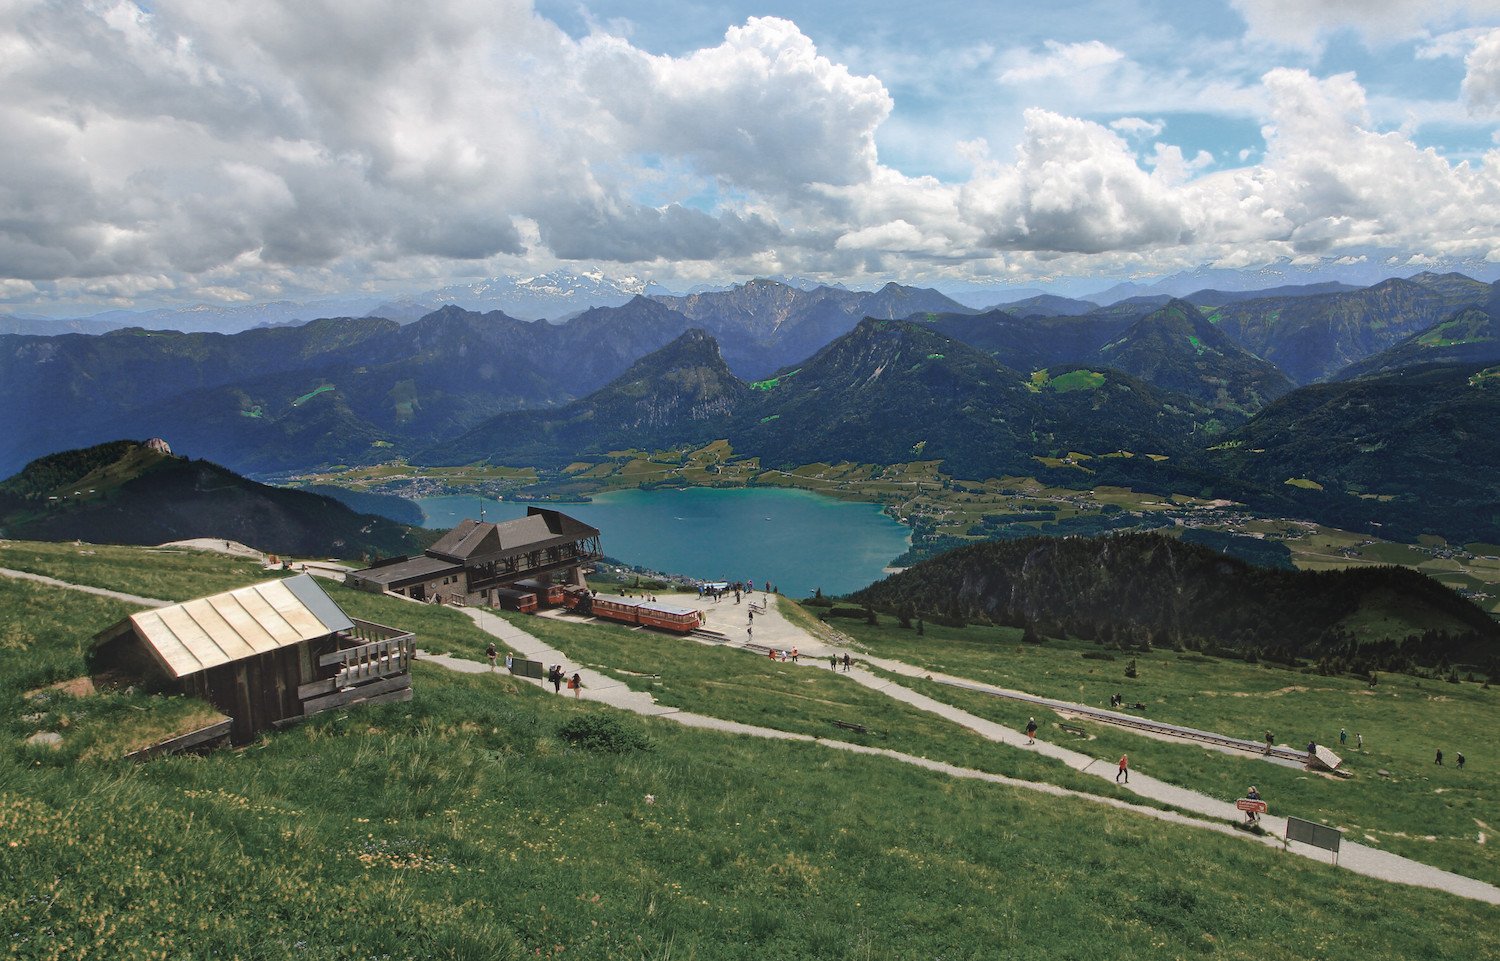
{"x": 558, "y": 677}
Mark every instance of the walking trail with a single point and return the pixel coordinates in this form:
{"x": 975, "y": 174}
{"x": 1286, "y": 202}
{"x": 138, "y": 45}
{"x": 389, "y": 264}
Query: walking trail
{"x": 774, "y": 630}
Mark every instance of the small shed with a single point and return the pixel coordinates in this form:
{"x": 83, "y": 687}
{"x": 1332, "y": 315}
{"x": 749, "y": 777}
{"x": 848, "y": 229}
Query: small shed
{"x": 266, "y": 655}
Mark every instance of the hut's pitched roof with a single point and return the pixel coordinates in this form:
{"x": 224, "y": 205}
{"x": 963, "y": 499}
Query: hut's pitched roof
{"x": 204, "y": 633}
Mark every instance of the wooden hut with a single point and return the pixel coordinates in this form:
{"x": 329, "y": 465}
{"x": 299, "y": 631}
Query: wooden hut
{"x": 266, "y": 655}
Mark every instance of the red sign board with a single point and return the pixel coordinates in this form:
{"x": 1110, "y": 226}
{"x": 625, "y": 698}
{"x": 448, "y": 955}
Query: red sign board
{"x": 1250, "y": 804}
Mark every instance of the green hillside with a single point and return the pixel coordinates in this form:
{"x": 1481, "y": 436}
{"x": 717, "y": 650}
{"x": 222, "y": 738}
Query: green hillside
{"x": 1177, "y": 349}
{"x": 1148, "y": 588}
{"x": 1470, "y": 336}
{"x": 1410, "y": 449}
{"x": 682, "y": 393}
{"x": 466, "y": 824}
{"x": 1311, "y": 338}
{"x": 1030, "y": 343}
{"x": 125, "y": 493}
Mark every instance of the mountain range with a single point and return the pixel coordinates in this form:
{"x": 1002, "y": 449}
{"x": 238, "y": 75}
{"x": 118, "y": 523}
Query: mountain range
{"x": 798, "y": 375}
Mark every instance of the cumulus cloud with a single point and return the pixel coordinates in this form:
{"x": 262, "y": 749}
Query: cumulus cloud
{"x": 326, "y": 135}
{"x": 213, "y": 147}
{"x": 1075, "y": 187}
{"x": 1481, "y": 88}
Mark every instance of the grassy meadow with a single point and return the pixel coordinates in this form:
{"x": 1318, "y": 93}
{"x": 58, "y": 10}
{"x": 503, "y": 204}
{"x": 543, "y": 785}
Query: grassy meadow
{"x": 465, "y": 824}
{"x": 1433, "y": 814}
{"x": 462, "y": 826}
{"x": 164, "y": 573}
{"x": 737, "y": 686}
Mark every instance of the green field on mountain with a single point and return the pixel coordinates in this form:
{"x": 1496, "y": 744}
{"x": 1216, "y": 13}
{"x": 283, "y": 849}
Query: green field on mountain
{"x": 470, "y": 827}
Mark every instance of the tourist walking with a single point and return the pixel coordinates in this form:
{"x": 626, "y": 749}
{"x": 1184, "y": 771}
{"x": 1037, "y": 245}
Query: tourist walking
{"x": 557, "y": 674}
{"x": 1124, "y": 770}
{"x": 833, "y": 662}
{"x": 491, "y": 653}
{"x": 576, "y": 683}
{"x": 1252, "y": 816}
{"x": 1460, "y": 757}
{"x": 1343, "y": 737}
{"x": 847, "y": 662}
{"x": 1439, "y": 760}
{"x": 1270, "y": 742}
{"x": 1031, "y": 730}
{"x": 1359, "y": 741}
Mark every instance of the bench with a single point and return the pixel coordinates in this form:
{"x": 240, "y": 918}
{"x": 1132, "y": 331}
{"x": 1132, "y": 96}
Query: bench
{"x": 1074, "y": 730}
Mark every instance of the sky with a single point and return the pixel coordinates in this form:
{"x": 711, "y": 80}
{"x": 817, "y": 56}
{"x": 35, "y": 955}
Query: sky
{"x": 242, "y": 151}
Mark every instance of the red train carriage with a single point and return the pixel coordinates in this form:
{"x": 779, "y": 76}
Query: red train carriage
{"x": 629, "y": 610}
{"x": 679, "y": 620}
{"x": 513, "y": 600}
{"x": 550, "y": 595}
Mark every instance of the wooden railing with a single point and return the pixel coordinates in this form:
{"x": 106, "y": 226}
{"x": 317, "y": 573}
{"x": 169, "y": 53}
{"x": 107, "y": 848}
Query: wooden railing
{"x": 381, "y": 657}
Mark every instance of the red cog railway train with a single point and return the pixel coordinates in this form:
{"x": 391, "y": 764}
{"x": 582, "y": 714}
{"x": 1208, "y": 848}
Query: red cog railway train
{"x": 629, "y": 610}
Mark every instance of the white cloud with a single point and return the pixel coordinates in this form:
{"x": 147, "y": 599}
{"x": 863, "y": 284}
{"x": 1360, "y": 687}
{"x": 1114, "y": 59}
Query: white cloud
{"x": 1481, "y": 88}
{"x": 1075, "y": 187}
{"x": 211, "y": 146}
{"x": 1138, "y": 127}
{"x": 1059, "y": 60}
{"x": 1454, "y": 43}
{"x": 1306, "y": 24}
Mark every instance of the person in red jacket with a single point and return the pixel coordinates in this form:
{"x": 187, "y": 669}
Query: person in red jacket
{"x": 1124, "y": 770}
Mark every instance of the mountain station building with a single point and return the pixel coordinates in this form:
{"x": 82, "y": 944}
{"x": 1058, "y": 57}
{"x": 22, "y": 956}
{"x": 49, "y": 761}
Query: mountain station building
{"x": 478, "y": 563}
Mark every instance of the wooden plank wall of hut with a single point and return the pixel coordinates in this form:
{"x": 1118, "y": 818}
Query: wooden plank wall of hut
{"x": 261, "y": 690}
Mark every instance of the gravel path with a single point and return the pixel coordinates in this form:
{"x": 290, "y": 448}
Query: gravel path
{"x": 54, "y": 582}
{"x": 774, "y": 629}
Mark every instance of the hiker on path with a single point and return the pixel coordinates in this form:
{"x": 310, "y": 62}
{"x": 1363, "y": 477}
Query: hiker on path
{"x": 1270, "y": 742}
{"x": 510, "y": 663}
{"x": 1460, "y": 760}
{"x": 1031, "y": 731}
{"x": 1439, "y": 760}
{"x": 847, "y": 662}
{"x": 1343, "y": 736}
{"x": 557, "y": 679}
{"x": 1359, "y": 741}
{"x": 576, "y": 683}
{"x": 491, "y": 653}
{"x": 1251, "y": 816}
{"x": 1124, "y": 770}
{"x": 833, "y": 662}
{"x": 749, "y": 633}
{"x": 795, "y": 655}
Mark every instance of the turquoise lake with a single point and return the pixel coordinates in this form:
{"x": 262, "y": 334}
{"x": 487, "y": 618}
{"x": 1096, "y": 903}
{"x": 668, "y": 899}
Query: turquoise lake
{"x": 796, "y": 540}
